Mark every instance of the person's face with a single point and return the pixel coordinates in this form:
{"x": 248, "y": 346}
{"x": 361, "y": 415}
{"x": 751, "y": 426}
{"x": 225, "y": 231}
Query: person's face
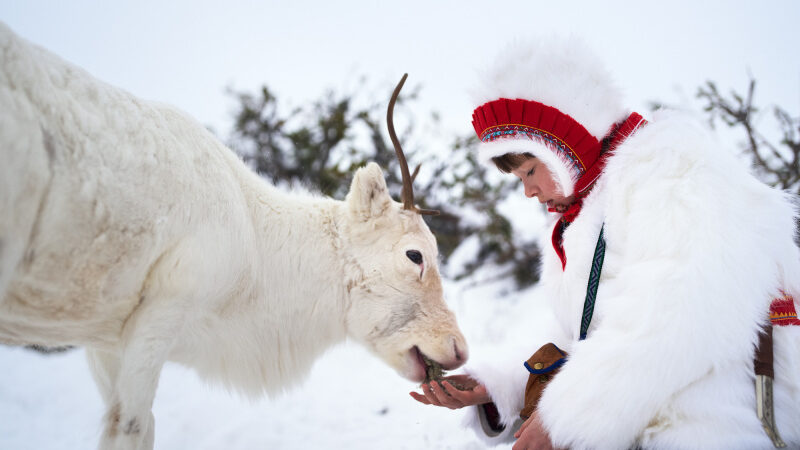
{"x": 539, "y": 183}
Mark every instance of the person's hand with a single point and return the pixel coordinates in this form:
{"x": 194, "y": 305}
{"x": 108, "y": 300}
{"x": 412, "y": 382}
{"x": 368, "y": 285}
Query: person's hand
{"x": 532, "y": 436}
{"x": 445, "y": 394}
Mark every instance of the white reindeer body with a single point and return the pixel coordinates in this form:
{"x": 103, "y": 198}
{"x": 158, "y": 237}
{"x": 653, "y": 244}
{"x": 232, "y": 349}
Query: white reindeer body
{"x": 129, "y": 229}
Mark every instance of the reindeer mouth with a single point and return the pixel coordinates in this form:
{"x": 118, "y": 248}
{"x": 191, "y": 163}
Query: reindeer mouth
{"x": 426, "y": 368}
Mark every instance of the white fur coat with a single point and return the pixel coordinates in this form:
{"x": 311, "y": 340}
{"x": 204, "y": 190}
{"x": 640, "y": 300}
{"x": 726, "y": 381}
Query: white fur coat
{"x": 696, "y": 248}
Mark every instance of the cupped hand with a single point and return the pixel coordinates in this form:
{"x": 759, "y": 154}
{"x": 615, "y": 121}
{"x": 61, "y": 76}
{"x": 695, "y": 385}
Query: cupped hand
{"x": 444, "y": 394}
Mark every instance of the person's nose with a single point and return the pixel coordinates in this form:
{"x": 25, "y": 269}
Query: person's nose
{"x": 530, "y": 190}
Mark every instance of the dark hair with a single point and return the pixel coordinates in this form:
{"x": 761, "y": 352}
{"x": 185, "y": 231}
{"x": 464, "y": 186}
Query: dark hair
{"x": 510, "y": 161}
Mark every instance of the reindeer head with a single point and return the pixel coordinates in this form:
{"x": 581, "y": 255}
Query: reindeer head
{"x": 397, "y": 305}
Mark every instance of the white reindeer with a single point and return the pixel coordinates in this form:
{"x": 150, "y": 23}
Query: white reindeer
{"x": 129, "y": 229}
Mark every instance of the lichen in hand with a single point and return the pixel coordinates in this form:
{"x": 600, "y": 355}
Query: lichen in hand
{"x": 433, "y": 370}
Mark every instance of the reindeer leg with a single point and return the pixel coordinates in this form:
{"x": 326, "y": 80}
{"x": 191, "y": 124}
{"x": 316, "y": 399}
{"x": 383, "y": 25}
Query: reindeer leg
{"x": 177, "y": 286}
{"x": 104, "y": 366}
{"x": 130, "y": 379}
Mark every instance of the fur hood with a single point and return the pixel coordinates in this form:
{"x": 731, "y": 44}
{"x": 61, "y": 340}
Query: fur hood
{"x": 696, "y": 248}
{"x": 579, "y": 104}
{"x": 564, "y": 74}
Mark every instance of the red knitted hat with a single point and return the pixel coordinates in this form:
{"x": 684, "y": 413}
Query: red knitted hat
{"x": 576, "y": 149}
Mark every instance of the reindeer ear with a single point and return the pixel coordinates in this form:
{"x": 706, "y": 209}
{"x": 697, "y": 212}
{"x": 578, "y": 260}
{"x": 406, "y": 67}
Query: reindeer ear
{"x": 368, "y": 196}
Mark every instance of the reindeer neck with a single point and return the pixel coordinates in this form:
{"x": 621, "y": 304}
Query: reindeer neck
{"x": 299, "y": 249}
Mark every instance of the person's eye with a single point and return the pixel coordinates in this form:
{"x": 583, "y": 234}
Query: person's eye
{"x": 530, "y": 172}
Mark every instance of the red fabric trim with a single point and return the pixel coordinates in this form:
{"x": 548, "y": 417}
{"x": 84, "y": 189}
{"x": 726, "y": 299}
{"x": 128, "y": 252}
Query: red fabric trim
{"x": 618, "y": 134}
{"x": 558, "y": 231}
{"x": 558, "y": 243}
{"x": 584, "y": 185}
{"x": 782, "y": 311}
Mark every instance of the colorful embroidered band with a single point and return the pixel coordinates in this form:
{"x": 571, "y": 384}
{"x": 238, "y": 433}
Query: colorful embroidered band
{"x": 516, "y": 131}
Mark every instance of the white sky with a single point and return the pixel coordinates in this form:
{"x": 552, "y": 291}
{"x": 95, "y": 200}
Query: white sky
{"x": 185, "y": 52}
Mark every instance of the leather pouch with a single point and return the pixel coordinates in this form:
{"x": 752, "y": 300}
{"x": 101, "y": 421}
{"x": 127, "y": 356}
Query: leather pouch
{"x": 542, "y": 365}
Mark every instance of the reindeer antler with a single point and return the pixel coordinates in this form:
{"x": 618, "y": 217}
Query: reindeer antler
{"x": 408, "y": 190}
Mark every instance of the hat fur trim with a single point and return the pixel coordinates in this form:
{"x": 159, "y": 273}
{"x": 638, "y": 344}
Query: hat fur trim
{"x": 564, "y": 178}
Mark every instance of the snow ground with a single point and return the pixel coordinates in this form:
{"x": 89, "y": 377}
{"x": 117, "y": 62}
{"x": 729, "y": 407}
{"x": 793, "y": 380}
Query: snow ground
{"x": 350, "y": 400}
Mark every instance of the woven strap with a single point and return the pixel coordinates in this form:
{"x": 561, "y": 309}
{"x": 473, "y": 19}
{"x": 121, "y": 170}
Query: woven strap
{"x": 594, "y": 282}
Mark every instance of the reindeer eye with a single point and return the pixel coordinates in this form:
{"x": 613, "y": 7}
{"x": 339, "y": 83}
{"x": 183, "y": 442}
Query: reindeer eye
{"x": 414, "y": 256}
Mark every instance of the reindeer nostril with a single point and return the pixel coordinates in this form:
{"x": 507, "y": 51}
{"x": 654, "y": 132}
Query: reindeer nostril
{"x": 459, "y": 356}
